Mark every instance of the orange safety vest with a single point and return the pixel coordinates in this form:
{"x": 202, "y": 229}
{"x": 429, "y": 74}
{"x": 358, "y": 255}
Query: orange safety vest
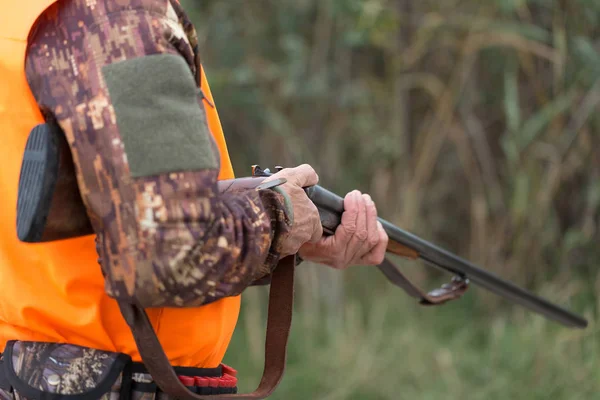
{"x": 54, "y": 292}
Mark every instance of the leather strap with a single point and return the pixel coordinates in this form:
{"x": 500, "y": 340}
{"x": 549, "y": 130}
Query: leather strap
{"x": 449, "y": 291}
{"x": 281, "y": 298}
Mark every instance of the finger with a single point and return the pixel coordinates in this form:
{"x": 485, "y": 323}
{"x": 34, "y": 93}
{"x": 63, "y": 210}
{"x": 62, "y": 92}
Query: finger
{"x": 359, "y": 239}
{"x": 347, "y": 226}
{"x": 317, "y": 227}
{"x": 377, "y": 254}
{"x": 373, "y": 232}
{"x": 365, "y": 236}
{"x": 303, "y": 175}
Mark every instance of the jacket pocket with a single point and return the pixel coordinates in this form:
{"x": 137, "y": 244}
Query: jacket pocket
{"x": 36, "y": 370}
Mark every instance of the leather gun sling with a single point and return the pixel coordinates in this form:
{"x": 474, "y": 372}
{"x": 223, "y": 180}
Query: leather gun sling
{"x": 279, "y": 320}
{"x": 448, "y": 292}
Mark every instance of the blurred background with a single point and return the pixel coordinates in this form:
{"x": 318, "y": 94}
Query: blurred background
{"x": 473, "y": 124}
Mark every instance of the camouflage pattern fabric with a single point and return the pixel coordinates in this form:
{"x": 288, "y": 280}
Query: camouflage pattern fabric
{"x": 65, "y": 369}
{"x": 163, "y": 240}
{"x": 62, "y": 369}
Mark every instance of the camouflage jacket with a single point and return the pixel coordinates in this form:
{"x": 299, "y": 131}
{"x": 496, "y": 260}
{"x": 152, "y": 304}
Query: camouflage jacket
{"x": 121, "y": 79}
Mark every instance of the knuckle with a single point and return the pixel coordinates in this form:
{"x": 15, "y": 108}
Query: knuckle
{"x": 373, "y": 241}
{"x": 362, "y": 235}
{"x": 350, "y": 211}
{"x": 350, "y": 227}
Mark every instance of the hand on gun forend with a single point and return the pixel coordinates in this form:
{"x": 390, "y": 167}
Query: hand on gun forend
{"x": 359, "y": 240}
{"x": 306, "y": 226}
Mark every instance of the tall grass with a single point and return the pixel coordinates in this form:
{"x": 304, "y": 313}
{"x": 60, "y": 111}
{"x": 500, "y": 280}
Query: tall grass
{"x": 387, "y": 347}
{"x": 473, "y": 124}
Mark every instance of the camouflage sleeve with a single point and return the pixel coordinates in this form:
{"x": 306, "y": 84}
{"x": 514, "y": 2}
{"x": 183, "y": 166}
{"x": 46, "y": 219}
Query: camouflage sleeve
{"x": 165, "y": 237}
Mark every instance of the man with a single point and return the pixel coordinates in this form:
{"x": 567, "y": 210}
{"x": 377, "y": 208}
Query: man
{"x": 123, "y": 80}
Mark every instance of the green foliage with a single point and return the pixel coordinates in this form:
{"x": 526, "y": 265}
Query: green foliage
{"x": 471, "y": 123}
{"x": 387, "y": 347}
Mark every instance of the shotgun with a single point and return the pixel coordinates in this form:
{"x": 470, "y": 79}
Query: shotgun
{"x": 50, "y": 208}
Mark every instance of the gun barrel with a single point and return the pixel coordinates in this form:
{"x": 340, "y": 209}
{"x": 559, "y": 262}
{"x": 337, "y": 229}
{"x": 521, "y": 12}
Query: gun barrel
{"x": 449, "y": 262}
{"x": 444, "y": 260}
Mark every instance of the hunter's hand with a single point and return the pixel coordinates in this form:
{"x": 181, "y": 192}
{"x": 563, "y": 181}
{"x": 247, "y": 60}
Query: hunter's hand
{"x": 359, "y": 239}
{"x": 306, "y": 226}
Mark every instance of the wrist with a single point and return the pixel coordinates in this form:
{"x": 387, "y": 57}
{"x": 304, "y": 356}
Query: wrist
{"x": 278, "y": 209}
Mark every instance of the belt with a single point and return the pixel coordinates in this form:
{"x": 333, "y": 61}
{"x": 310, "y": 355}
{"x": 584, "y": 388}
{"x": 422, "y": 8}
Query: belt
{"x": 205, "y": 381}
{"x": 35, "y": 370}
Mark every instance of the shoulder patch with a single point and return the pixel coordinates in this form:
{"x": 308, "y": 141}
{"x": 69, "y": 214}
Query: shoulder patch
{"x": 162, "y": 124}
